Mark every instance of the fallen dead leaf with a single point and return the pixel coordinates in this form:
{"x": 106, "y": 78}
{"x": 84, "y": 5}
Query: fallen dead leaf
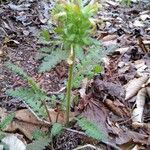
{"x": 27, "y": 123}
{"x": 122, "y": 50}
{"x": 118, "y": 108}
{"x": 109, "y": 37}
{"x": 134, "y": 86}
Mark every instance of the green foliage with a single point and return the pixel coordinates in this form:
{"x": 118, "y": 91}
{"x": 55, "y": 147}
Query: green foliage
{"x": 34, "y": 100}
{"x": 90, "y": 128}
{"x": 53, "y": 59}
{"x": 45, "y": 49}
{"x": 56, "y": 129}
{"x": 7, "y": 120}
{"x": 2, "y": 135}
{"x": 74, "y": 22}
{"x": 126, "y": 2}
{"x": 22, "y": 73}
{"x": 39, "y": 144}
{"x": 37, "y": 134}
{"x": 45, "y": 34}
{"x": 88, "y": 67}
{"x": 33, "y": 95}
{"x": 74, "y": 26}
{"x": 16, "y": 69}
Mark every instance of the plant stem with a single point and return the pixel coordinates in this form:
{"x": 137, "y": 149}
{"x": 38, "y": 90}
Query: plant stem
{"x": 69, "y": 84}
{"x": 46, "y": 108}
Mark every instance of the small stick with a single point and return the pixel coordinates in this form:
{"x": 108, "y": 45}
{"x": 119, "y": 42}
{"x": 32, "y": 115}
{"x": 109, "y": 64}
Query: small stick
{"x": 127, "y": 120}
{"x": 87, "y": 146}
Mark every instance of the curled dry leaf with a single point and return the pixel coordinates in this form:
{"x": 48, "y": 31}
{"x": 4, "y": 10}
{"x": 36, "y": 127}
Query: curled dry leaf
{"x": 134, "y": 86}
{"x": 138, "y": 111}
{"x": 26, "y": 122}
{"x": 140, "y": 102}
{"x": 83, "y": 88}
{"x": 122, "y": 50}
{"x": 119, "y": 110}
{"x": 109, "y": 37}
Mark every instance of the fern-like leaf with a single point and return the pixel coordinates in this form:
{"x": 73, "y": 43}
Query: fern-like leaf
{"x": 90, "y": 128}
{"x": 7, "y": 120}
{"x": 45, "y": 49}
{"x": 56, "y": 129}
{"x": 53, "y": 59}
{"x": 37, "y": 134}
{"x": 89, "y": 66}
{"x": 39, "y": 144}
{"x": 34, "y": 100}
{"x": 16, "y": 70}
{"x": 2, "y": 135}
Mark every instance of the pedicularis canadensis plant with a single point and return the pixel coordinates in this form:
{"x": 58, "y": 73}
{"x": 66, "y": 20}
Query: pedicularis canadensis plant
{"x": 74, "y": 26}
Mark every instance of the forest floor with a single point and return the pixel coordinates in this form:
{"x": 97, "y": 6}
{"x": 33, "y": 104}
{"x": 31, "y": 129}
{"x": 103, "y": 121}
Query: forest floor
{"x": 110, "y": 98}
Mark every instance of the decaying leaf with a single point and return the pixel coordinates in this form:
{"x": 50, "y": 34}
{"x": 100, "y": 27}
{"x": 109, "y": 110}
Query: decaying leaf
{"x": 140, "y": 102}
{"x": 109, "y": 37}
{"x": 122, "y": 50}
{"x": 119, "y": 110}
{"x": 103, "y": 90}
{"x": 138, "y": 111}
{"x": 134, "y": 86}
{"x": 83, "y": 88}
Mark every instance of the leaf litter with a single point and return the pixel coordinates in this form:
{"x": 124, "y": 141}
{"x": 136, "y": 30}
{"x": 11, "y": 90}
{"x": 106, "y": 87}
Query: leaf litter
{"x": 112, "y": 99}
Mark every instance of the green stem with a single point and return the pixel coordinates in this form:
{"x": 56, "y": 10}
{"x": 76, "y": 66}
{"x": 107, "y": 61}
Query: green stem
{"x": 69, "y": 84}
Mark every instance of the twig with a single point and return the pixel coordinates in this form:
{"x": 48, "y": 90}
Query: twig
{"x": 56, "y": 92}
{"x": 87, "y": 146}
{"x": 127, "y": 120}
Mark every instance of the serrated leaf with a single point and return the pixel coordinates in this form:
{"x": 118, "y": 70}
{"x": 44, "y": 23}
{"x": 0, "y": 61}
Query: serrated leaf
{"x": 45, "y": 49}
{"x": 2, "y": 135}
{"x": 56, "y": 129}
{"x": 90, "y": 128}
{"x": 45, "y": 34}
{"x": 37, "y": 134}
{"x": 16, "y": 70}
{"x": 89, "y": 65}
{"x": 34, "y": 100}
{"x": 39, "y": 144}
{"x": 53, "y": 59}
{"x": 7, "y": 120}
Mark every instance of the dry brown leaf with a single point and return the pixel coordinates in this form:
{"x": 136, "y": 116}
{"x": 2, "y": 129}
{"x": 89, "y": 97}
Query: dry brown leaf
{"x": 117, "y": 108}
{"x": 26, "y": 116}
{"x": 109, "y": 37}
{"x": 134, "y": 86}
{"x": 122, "y": 50}
{"x": 27, "y": 123}
{"x": 138, "y": 111}
{"x": 126, "y": 136}
{"x": 97, "y": 113}
{"x": 83, "y": 88}
{"x": 140, "y": 102}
